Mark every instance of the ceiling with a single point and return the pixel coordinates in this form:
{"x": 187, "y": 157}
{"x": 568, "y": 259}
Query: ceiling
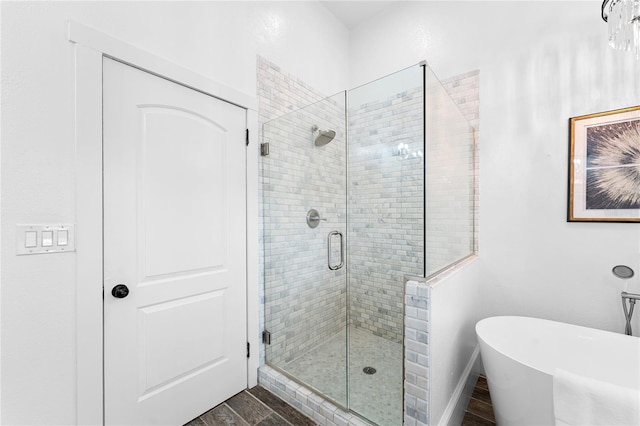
{"x": 352, "y": 13}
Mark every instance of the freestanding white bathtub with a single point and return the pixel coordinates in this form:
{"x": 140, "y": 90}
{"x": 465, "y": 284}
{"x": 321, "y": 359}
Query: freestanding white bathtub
{"x": 521, "y": 354}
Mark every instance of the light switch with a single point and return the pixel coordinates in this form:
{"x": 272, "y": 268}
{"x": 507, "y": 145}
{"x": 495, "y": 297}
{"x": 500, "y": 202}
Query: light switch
{"x": 63, "y": 237}
{"x": 30, "y": 239}
{"x": 47, "y": 238}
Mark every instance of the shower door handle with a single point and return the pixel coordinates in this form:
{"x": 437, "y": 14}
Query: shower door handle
{"x": 329, "y": 245}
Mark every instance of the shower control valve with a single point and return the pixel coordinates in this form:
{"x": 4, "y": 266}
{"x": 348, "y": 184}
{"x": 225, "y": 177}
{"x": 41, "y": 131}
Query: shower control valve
{"x": 313, "y": 218}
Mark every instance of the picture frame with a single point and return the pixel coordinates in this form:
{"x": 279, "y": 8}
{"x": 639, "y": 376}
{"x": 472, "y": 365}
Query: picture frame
{"x": 604, "y": 167}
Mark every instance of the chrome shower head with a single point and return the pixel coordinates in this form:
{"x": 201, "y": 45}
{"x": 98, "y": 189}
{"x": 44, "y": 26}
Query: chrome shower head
{"x": 322, "y": 137}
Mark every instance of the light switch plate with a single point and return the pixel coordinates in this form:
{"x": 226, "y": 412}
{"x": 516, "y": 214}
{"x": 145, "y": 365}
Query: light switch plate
{"x": 49, "y": 238}
{"x": 31, "y": 239}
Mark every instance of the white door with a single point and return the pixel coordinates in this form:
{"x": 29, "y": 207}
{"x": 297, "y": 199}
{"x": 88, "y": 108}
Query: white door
{"x": 174, "y": 235}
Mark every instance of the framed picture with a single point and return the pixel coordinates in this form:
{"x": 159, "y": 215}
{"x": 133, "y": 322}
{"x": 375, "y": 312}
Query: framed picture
{"x": 604, "y": 167}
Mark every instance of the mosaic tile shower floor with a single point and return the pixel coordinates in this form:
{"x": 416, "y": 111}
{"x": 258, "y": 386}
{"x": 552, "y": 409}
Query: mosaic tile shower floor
{"x": 377, "y": 397}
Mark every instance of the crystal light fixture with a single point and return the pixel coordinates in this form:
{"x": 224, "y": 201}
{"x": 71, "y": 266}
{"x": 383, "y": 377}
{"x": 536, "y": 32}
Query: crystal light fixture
{"x": 623, "y": 17}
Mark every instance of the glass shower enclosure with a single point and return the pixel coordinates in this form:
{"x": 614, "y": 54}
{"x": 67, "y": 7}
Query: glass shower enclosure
{"x": 345, "y": 219}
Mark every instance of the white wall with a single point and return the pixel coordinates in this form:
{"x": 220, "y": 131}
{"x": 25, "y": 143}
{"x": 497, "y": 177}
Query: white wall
{"x": 217, "y": 39}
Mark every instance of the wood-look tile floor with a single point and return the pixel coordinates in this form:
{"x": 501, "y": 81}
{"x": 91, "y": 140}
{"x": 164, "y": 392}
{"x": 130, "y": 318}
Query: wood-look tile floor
{"x": 259, "y": 407}
{"x": 253, "y": 407}
{"x": 480, "y": 411}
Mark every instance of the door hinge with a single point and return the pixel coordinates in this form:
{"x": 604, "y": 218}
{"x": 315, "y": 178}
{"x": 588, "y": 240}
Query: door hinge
{"x": 247, "y": 137}
{"x": 264, "y": 149}
{"x": 266, "y": 337}
{"x": 248, "y": 350}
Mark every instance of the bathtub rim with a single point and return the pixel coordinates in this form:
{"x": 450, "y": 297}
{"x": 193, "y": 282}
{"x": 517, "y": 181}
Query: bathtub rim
{"x": 482, "y": 339}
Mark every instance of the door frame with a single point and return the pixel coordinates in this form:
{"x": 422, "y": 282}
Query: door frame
{"x": 90, "y": 46}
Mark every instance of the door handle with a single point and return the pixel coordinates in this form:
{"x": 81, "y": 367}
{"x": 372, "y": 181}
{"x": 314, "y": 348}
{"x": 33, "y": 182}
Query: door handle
{"x": 120, "y": 291}
{"x": 329, "y": 244}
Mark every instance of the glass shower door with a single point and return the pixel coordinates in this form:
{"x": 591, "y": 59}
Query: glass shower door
{"x": 304, "y": 223}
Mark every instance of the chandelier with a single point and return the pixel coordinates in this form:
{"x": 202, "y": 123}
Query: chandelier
{"x": 623, "y": 17}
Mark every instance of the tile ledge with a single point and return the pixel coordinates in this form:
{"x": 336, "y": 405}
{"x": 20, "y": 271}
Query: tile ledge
{"x": 436, "y": 278}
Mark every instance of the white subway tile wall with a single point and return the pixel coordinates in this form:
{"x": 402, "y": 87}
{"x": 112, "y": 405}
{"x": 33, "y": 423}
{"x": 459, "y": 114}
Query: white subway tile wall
{"x": 280, "y": 93}
{"x": 416, "y": 353}
{"x": 386, "y": 199}
{"x": 305, "y": 301}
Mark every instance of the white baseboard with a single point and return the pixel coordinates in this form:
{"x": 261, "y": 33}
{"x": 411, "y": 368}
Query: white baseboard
{"x": 454, "y": 412}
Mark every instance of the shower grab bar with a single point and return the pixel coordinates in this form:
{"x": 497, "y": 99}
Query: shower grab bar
{"x": 329, "y": 240}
